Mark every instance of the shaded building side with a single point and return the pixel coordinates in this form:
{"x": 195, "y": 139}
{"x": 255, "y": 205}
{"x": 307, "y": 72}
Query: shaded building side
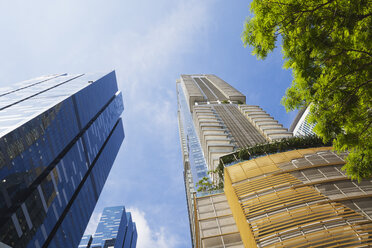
{"x": 58, "y": 140}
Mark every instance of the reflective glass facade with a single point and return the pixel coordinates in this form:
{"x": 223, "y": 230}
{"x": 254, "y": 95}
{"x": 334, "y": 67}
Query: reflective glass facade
{"x": 195, "y": 153}
{"x": 59, "y": 136}
{"x": 115, "y": 230}
{"x": 195, "y": 167}
{"x": 86, "y": 241}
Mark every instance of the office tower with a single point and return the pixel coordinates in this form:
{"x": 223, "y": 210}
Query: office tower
{"x": 86, "y": 241}
{"x": 59, "y": 136}
{"x": 298, "y": 198}
{"x": 300, "y": 125}
{"x": 214, "y": 121}
{"x": 115, "y": 230}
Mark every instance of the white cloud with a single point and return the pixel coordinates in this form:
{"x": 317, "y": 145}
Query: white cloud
{"x": 142, "y": 59}
{"x": 159, "y": 237}
{"x": 164, "y": 42}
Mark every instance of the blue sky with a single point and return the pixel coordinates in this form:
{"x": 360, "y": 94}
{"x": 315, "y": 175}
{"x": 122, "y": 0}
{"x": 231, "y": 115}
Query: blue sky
{"x": 149, "y": 44}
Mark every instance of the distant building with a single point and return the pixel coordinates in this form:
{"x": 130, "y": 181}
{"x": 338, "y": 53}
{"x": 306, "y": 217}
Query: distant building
{"x": 115, "y": 230}
{"x": 86, "y": 241}
{"x": 215, "y": 120}
{"x": 59, "y": 136}
{"x": 301, "y": 125}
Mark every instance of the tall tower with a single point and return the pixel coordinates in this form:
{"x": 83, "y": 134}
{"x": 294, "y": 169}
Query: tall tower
{"x": 115, "y": 229}
{"x": 59, "y": 136}
{"x": 214, "y": 120}
{"x": 288, "y": 193}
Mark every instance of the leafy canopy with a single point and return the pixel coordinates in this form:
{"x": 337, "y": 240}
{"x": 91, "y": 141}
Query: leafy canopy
{"x": 328, "y": 46}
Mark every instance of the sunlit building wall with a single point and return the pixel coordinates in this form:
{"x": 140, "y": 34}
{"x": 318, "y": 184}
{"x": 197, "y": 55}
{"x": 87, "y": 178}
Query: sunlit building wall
{"x": 294, "y": 198}
{"x": 59, "y": 136}
{"x": 299, "y": 198}
{"x": 214, "y": 120}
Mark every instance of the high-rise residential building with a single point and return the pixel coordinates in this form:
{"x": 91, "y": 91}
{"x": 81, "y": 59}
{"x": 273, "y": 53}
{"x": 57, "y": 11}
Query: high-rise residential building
{"x": 214, "y": 120}
{"x": 288, "y": 193}
{"x": 59, "y": 136}
{"x": 115, "y": 230}
{"x": 300, "y": 125}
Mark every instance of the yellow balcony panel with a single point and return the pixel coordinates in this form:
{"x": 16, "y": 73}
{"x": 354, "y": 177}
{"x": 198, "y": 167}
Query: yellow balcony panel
{"x": 278, "y": 158}
{"x": 263, "y": 161}
{"x": 307, "y": 151}
{"x": 253, "y": 173}
{"x": 265, "y": 183}
{"x": 292, "y": 155}
{"x": 279, "y": 200}
{"x": 239, "y": 217}
{"x": 236, "y": 173}
{"x": 318, "y": 237}
{"x": 332, "y": 237}
{"x": 269, "y": 169}
{"x": 272, "y": 208}
{"x": 248, "y": 165}
{"x": 280, "y": 219}
{"x": 292, "y": 220}
{"x": 253, "y": 213}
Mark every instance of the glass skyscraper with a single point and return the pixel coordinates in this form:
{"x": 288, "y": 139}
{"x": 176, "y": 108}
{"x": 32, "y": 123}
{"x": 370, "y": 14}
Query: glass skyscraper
{"x": 59, "y": 136}
{"x": 115, "y": 230}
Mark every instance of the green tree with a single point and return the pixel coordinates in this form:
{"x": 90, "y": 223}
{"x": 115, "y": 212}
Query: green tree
{"x": 205, "y": 185}
{"x": 328, "y": 46}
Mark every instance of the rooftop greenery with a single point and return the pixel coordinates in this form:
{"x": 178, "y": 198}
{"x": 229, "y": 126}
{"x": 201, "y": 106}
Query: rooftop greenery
{"x": 283, "y": 145}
